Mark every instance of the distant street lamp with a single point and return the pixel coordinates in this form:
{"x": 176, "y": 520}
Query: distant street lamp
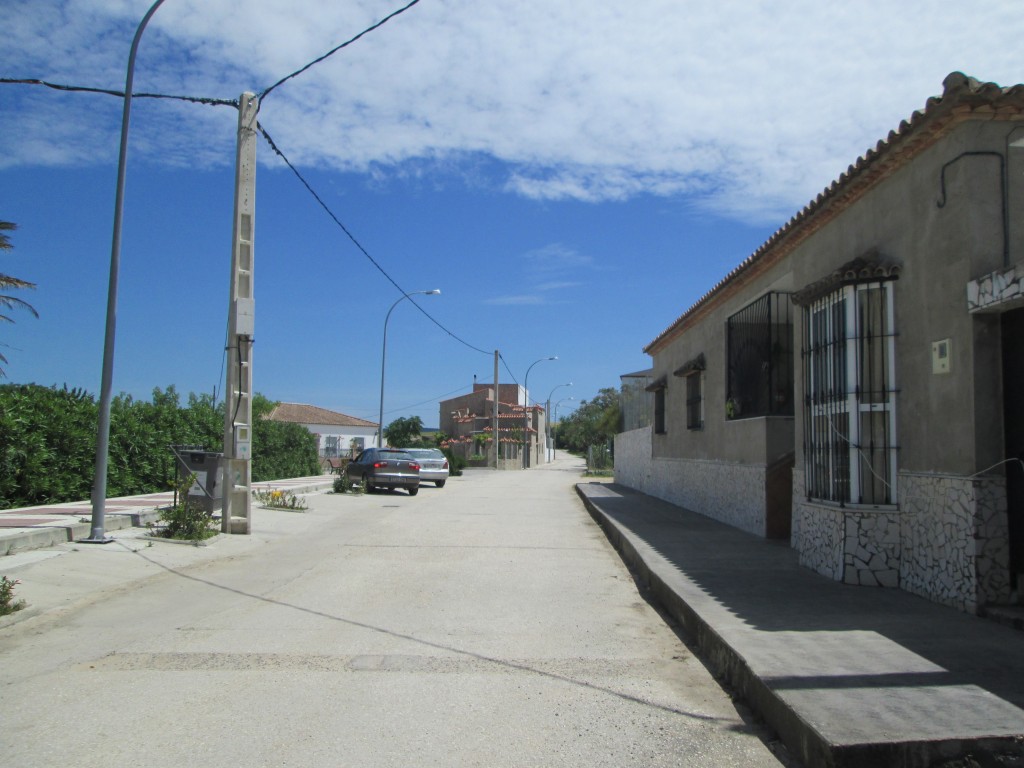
{"x": 526, "y": 413}
{"x": 554, "y": 441}
{"x": 547, "y": 412}
{"x": 383, "y": 353}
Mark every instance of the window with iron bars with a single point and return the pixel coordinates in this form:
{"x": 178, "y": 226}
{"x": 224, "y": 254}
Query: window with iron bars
{"x": 694, "y": 400}
{"x": 849, "y": 396}
{"x": 659, "y": 411}
{"x": 760, "y": 358}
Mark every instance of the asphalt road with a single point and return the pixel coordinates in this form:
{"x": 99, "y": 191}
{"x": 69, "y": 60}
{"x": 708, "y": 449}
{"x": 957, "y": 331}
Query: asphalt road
{"x": 488, "y": 623}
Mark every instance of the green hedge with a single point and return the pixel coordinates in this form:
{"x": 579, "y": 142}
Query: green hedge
{"x": 48, "y": 442}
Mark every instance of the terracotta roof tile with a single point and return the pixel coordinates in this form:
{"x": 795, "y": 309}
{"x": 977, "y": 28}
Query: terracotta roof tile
{"x": 299, "y": 413}
{"x": 963, "y": 97}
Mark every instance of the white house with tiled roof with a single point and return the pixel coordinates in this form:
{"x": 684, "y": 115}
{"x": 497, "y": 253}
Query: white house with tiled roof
{"x": 337, "y": 434}
{"x": 856, "y": 385}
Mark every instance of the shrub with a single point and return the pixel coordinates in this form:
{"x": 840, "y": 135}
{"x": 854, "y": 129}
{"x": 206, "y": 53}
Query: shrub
{"x": 455, "y": 462}
{"x": 186, "y": 520}
{"x": 7, "y": 602}
{"x": 342, "y": 484}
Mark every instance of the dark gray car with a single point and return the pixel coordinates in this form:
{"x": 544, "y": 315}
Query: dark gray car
{"x": 385, "y": 468}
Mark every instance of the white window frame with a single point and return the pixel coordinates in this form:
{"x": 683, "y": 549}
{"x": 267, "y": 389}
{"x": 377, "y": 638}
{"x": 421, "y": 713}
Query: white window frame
{"x": 821, "y": 369}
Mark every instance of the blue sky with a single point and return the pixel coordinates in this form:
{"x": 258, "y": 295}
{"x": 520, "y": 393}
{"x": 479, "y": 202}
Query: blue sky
{"x": 571, "y": 175}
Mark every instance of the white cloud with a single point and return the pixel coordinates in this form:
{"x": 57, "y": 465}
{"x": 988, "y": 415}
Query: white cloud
{"x": 556, "y": 258}
{"x": 515, "y": 301}
{"x": 546, "y": 270}
{"x": 750, "y": 107}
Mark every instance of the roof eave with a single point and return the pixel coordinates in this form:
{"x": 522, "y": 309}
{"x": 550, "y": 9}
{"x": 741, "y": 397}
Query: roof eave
{"x": 963, "y": 98}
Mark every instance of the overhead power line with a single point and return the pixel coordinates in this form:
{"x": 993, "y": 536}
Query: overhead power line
{"x": 235, "y": 103}
{"x": 296, "y": 73}
{"x": 434, "y": 399}
{"x": 510, "y": 374}
{"x": 359, "y": 245}
{"x": 120, "y": 94}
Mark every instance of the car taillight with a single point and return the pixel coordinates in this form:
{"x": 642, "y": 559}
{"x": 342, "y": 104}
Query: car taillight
{"x": 445, "y": 465}
{"x": 379, "y": 464}
{"x": 415, "y": 466}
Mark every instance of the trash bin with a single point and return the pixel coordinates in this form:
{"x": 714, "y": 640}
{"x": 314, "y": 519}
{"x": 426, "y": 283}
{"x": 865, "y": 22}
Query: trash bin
{"x": 195, "y": 460}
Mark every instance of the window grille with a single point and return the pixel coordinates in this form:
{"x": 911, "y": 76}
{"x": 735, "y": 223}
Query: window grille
{"x": 659, "y": 411}
{"x": 760, "y": 366}
{"x": 849, "y": 396}
{"x": 658, "y": 388}
{"x": 694, "y": 401}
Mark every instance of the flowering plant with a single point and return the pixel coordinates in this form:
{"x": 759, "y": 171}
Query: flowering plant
{"x": 276, "y": 499}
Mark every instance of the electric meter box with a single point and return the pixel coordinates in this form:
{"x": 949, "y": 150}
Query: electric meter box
{"x": 207, "y": 488}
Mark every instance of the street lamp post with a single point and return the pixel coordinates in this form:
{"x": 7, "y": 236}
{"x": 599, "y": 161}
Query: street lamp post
{"x": 526, "y": 412}
{"x": 97, "y": 534}
{"x": 383, "y": 353}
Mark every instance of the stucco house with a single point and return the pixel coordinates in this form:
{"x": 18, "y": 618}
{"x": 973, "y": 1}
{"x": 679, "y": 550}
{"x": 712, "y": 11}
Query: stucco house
{"x": 855, "y": 384}
{"x": 468, "y": 420}
{"x": 338, "y": 435}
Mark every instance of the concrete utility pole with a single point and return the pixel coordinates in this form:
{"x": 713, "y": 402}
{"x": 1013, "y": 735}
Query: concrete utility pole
{"x": 237, "y": 483}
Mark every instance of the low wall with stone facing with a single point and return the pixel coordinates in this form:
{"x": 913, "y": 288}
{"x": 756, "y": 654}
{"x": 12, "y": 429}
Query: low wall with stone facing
{"x": 955, "y": 539}
{"x": 947, "y": 541}
{"x": 633, "y": 457}
{"x": 818, "y": 532}
{"x": 730, "y": 493}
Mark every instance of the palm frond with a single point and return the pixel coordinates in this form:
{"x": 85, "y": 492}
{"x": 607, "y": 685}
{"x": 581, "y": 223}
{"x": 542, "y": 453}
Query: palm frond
{"x": 12, "y": 302}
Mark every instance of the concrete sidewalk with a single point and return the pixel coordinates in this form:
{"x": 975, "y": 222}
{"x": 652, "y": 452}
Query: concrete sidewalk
{"x": 47, "y": 525}
{"x": 847, "y": 676}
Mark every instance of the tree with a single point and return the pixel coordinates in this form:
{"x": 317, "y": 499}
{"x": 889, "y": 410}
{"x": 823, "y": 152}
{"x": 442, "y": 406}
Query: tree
{"x": 280, "y": 449}
{"x": 595, "y": 422}
{"x": 404, "y": 432}
{"x": 7, "y": 282}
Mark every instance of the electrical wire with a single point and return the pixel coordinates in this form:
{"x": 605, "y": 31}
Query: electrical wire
{"x": 425, "y": 402}
{"x": 1011, "y": 460}
{"x": 262, "y": 95}
{"x": 234, "y": 103}
{"x": 120, "y": 94}
{"x": 279, "y": 153}
{"x": 510, "y": 374}
{"x": 348, "y": 233}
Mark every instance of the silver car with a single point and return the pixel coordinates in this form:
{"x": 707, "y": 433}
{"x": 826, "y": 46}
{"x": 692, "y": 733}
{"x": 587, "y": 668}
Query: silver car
{"x": 433, "y": 465}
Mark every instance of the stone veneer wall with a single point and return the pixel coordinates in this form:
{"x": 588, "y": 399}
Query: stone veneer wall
{"x": 817, "y": 533}
{"x": 633, "y": 457}
{"x": 730, "y": 493}
{"x": 947, "y": 541}
{"x": 955, "y": 539}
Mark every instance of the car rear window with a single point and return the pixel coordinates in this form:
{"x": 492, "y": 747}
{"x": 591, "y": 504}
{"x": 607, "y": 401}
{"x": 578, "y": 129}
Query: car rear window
{"x": 427, "y": 453}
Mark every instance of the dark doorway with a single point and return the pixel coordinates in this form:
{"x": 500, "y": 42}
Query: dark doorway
{"x": 1013, "y": 412}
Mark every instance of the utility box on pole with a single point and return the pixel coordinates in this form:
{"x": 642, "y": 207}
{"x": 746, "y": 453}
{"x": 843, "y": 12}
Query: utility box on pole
{"x": 237, "y": 512}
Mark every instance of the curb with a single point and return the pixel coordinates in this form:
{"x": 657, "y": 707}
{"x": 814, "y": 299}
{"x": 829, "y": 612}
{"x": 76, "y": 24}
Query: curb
{"x": 804, "y": 742}
{"x": 726, "y": 662}
{"x": 53, "y": 535}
